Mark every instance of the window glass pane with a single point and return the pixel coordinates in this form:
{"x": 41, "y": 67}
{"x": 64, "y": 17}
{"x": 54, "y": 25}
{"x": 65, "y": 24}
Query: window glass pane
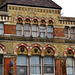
{"x": 19, "y": 32}
{"x": 35, "y": 60}
{"x": 35, "y": 30}
{"x": 1, "y": 32}
{"x": 19, "y": 27}
{"x": 21, "y": 70}
{"x": 69, "y": 62}
{"x": 34, "y": 27}
{"x": 22, "y": 65}
{"x": 48, "y": 60}
{"x": 49, "y": 29}
{"x": 22, "y": 60}
{"x": 27, "y": 27}
{"x": 48, "y": 69}
{"x": 48, "y": 64}
{"x": 50, "y": 35}
{"x": 35, "y": 64}
{"x": 27, "y": 33}
{"x": 42, "y": 31}
{"x": 35, "y": 70}
{"x": 27, "y": 30}
{"x": 35, "y": 34}
{"x": 73, "y": 30}
{"x": 1, "y": 26}
{"x": 70, "y": 70}
{"x": 66, "y": 29}
{"x": 42, "y": 34}
{"x": 42, "y": 28}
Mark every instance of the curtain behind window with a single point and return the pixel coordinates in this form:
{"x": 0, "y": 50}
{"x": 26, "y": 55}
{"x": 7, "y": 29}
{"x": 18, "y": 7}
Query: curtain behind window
{"x": 22, "y": 65}
{"x": 50, "y": 32}
{"x": 48, "y": 65}
{"x": 35, "y": 30}
{"x": 42, "y": 31}
{"x": 27, "y": 30}
{"x": 19, "y": 29}
{"x": 35, "y": 65}
{"x": 1, "y": 28}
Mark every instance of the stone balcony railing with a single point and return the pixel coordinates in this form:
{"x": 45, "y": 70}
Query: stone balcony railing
{"x": 5, "y": 18}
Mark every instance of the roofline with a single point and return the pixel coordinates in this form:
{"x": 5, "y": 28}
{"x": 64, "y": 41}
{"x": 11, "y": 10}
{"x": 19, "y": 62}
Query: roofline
{"x": 34, "y": 6}
{"x": 3, "y": 4}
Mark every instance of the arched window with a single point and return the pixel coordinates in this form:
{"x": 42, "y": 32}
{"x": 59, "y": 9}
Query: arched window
{"x": 1, "y": 61}
{"x": 70, "y": 62}
{"x": 27, "y": 28}
{"x": 19, "y": 27}
{"x": 22, "y": 61}
{"x": 35, "y": 61}
{"x": 50, "y": 31}
{"x": 43, "y": 28}
{"x": 49, "y": 61}
{"x": 35, "y": 28}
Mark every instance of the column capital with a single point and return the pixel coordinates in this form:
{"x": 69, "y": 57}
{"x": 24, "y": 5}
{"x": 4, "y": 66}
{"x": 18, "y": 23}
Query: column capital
{"x": 39, "y": 23}
{"x": 46, "y": 24}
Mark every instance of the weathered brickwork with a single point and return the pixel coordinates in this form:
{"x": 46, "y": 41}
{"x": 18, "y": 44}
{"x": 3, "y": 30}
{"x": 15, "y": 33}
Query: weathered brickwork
{"x": 9, "y": 29}
{"x": 6, "y": 65}
{"x": 59, "y": 32}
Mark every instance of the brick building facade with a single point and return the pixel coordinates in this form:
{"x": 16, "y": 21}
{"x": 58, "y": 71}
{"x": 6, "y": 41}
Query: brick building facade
{"x": 36, "y": 38}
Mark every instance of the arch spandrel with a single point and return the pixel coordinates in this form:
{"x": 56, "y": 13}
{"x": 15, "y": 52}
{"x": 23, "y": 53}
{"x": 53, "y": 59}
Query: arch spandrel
{"x": 22, "y": 50}
{"x": 35, "y": 51}
{"x": 49, "y": 51}
{"x": 69, "y": 52}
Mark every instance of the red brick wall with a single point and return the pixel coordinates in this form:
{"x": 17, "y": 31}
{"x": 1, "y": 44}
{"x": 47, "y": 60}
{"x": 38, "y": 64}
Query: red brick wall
{"x": 6, "y": 66}
{"x": 9, "y": 29}
{"x": 60, "y": 67}
{"x": 59, "y": 32}
{"x": 14, "y": 66}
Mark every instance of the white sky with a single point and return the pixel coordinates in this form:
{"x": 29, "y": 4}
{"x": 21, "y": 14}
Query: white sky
{"x": 68, "y": 7}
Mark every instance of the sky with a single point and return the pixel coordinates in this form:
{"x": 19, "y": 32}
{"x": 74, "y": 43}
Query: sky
{"x": 68, "y": 7}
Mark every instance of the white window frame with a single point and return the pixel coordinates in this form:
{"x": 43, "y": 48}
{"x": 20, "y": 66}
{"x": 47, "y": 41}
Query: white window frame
{"x": 71, "y": 66}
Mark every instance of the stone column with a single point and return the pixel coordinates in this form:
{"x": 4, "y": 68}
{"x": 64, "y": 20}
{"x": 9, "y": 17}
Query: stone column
{"x": 70, "y": 32}
{"x": 38, "y": 29}
{"x": 23, "y": 29}
{"x": 46, "y": 29}
{"x": 42, "y": 55}
{"x": 29, "y": 65}
{"x": 31, "y": 29}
